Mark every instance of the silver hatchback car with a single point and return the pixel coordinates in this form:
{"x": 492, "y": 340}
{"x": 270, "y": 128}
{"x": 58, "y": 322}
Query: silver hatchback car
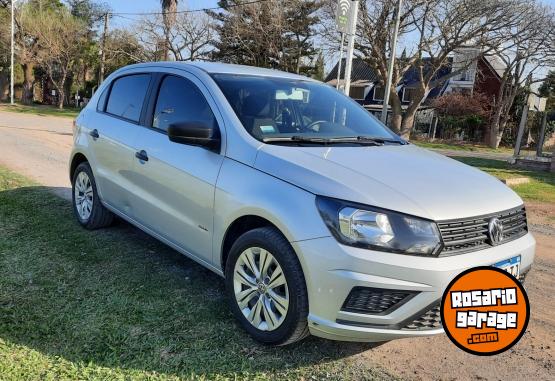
{"x": 320, "y": 219}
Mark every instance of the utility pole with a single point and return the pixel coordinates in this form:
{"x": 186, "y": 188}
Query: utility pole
{"x": 103, "y": 50}
{"x": 351, "y": 46}
{"x": 12, "y": 56}
{"x": 541, "y": 139}
{"x": 523, "y": 120}
{"x": 340, "y": 60}
{"x": 391, "y": 63}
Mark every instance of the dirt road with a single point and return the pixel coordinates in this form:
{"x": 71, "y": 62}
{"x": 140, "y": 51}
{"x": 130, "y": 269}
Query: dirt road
{"x": 38, "y": 147}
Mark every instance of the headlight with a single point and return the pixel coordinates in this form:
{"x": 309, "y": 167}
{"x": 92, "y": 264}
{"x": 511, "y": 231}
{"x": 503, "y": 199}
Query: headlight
{"x": 378, "y": 229}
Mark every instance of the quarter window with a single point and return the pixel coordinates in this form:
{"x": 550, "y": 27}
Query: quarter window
{"x": 102, "y": 100}
{"x": 127, "y": 96}
{"x": 179, "y": 101}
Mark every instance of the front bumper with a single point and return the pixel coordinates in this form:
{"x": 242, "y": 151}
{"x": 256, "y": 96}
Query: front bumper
{"x": 332, "y": 270}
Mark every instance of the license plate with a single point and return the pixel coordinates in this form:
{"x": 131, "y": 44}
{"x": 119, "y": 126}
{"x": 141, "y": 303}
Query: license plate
{"x": 511, "y": 265}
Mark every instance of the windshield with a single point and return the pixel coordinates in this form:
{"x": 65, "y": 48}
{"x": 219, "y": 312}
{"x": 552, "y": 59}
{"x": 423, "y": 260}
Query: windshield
{"x": 275, "y": 109}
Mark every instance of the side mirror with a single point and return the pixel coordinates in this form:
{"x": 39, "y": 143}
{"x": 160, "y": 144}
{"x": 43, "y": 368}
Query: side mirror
{"x": 196, "y": 134}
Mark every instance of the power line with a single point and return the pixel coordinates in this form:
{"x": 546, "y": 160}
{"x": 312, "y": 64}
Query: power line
{"x": 184, "y": 11}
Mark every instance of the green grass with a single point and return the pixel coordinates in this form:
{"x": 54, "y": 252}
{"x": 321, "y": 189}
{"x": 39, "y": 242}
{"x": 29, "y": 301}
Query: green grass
{"x": 540, "y": 188}
{"x": 468, "y": 147}
{"x": 41, "y": 110}
{"x": 115, "y": 304}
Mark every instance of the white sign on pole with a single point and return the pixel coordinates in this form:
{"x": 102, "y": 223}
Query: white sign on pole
{"x": 343, "y": 15}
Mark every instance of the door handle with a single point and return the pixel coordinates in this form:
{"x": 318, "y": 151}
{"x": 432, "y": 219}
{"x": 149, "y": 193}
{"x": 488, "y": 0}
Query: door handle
{"x": 94, "y": 133}
{"x": 141, "y": 155}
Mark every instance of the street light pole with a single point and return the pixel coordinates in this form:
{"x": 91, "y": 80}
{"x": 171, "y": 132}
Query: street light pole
{"x": 103, "y": 51}
{"x": 351, "y": 46}
{"x": 340, "y": 60}
{"x": 12, "y": 56}
{"x": 391, "y": 62}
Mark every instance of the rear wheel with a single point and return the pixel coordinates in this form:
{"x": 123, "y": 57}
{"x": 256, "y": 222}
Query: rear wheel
{"x": 87, "y": 207}
{"x": 266, "y": 287}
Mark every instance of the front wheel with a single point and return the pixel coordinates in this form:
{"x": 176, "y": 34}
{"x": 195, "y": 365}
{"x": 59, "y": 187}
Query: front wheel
{"x": 266, "y": 287}
{"x": 87, "y": 207}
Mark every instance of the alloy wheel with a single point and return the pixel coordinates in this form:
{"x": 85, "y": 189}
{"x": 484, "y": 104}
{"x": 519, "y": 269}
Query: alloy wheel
{"x": 83, "y": 196}
{"x": 260, "y": 289}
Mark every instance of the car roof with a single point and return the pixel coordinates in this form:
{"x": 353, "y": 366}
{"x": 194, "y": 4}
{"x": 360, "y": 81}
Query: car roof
{"x": 223, "y": 68}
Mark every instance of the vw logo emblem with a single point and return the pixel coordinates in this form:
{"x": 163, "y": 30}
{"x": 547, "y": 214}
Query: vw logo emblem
{"x": 495, "y": 230}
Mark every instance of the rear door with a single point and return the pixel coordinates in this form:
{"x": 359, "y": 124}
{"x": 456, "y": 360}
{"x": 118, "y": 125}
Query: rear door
{"x": 112, "y": 134}
{"x": 175, "y": 183}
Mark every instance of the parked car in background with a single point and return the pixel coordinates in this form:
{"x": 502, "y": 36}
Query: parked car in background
{"x": 320, "y": 219}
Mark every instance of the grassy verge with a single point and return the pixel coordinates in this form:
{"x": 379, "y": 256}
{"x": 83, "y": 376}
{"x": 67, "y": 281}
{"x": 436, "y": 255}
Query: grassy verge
{"x": 41, "y": 110}
{"x": 540, "y": 188}
{"x": 117, "y": 305}
{"x": 468, "y": 147}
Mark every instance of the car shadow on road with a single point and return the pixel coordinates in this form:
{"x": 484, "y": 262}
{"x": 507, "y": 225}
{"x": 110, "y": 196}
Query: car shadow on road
{"x": 118, "y": 298}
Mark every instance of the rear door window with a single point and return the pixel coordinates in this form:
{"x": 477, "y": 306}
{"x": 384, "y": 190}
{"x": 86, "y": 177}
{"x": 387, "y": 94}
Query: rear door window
{"x": 179, "y": 100}
{"x": 127, "y": 96}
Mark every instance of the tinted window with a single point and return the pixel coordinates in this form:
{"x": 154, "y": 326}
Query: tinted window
{"x": 179, "y": 100}
{"x": 127, "y": 96}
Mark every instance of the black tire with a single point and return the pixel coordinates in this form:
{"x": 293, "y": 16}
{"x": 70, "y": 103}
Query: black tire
{"x": 294, "y": 327}
{"x": 100, "y": 217}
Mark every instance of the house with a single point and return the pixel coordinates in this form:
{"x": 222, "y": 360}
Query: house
{"x": 483, "y": 76}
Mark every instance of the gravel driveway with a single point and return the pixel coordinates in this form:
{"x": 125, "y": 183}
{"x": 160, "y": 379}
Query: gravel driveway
{"x": 38, "y": 147}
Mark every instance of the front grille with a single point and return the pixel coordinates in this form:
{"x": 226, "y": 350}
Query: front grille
{"x": 375, "y": 300}
{"x": 430, "y": 319}
{"x": 471, "y": 234}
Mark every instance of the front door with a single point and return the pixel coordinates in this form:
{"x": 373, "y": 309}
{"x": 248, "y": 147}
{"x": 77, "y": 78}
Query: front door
{"x": 175, "y": 183}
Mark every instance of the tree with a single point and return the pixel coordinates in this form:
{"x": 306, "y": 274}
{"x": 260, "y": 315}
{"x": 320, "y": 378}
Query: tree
{"x": 525, "y": 50}
{"x": 301, "y": 19}
{"x": 274, "y": 34}
{"x": 440, "y": 28}
{"x": 122, "y": 49}
{"x": 169, "y": 9}
{"x": 463, "y": 114}
{"x": 61, "y": 38}
{"x": 547, "y": 90}
{"x": 319, "y": 68}
{"x": 188, "y": 39}
{"x": 4, "y": 48}
{"x": 91, "y": 13}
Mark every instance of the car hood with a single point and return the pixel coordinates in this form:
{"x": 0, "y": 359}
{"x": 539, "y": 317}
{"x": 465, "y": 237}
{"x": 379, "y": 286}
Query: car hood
{"x": 402, "y": 178}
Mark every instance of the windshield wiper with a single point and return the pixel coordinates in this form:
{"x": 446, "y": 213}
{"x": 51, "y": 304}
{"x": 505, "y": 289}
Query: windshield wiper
{"x": 381, "y": 140}
{"x": 315, "y": 140}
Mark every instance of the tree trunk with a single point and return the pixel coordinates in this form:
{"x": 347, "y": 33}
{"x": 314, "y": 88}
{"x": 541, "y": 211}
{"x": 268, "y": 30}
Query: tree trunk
{"x": 396, "y": 111}
{"x": 28, "y": 82}
{"x": 4, "y": 85}
{"x": 61, "y": 98}
{"x": 494, "y": 129}
{"x": 407, "y": 124}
